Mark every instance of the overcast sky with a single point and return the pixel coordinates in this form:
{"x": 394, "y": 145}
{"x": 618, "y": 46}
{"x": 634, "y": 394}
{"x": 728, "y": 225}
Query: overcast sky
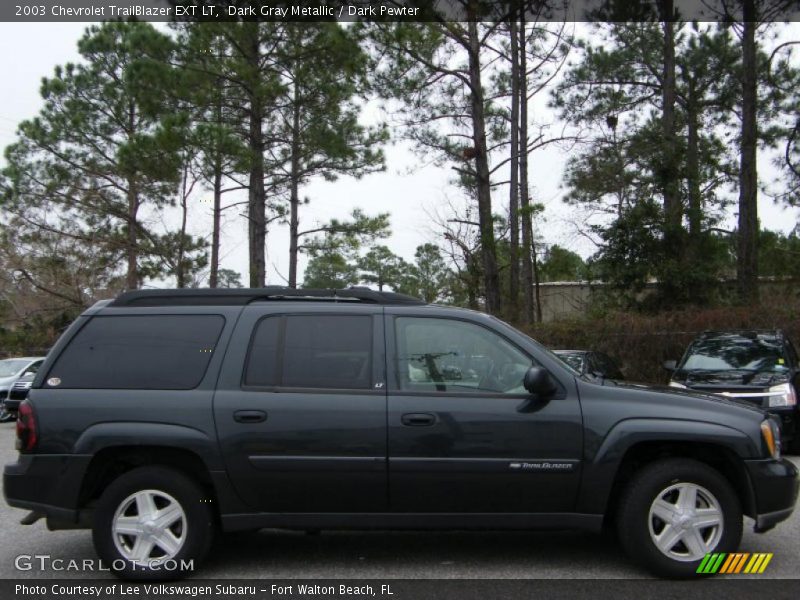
{"x": 408, "y": 189}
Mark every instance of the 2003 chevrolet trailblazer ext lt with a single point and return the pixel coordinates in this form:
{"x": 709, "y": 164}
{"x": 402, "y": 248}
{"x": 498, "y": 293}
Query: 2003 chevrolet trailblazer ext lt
{"x": 165, "y": 414}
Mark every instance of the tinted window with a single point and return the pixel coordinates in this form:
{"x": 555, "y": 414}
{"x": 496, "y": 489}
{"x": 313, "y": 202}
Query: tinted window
{"x": 262, "y": 363}
{"x": 792, "y": 354}
{"x": 573, "y": 359}
{"x": 318, "y": 351}
{"x": 748, "y": 352}
{"x": 324, "y": 351}
{"x": 606, "y": 366}
{"x": 447, "y": 355}
{"x": 139, "y": 352}
{"x": 34, "y": 367}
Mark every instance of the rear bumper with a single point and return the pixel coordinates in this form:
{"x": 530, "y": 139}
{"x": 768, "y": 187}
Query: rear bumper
{"x": 775, "y": 487}
{"x": 48, "y": 484}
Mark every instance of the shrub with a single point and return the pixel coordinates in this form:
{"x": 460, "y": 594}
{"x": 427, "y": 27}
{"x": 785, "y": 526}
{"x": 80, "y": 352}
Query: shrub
{"x": 641, "y": 343}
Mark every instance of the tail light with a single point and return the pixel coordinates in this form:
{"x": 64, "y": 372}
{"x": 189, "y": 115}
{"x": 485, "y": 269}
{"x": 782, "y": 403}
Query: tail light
{"x": 27, "y": 435}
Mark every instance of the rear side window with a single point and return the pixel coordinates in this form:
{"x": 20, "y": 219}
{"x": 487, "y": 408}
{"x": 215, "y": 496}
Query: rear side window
{"x": 312, "y": 351}
{"x": 159, "y": 352}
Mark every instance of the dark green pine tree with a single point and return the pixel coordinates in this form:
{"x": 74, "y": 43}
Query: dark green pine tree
{"x": 101, "y": 153}
{"x": 381, "y": 267}
{"x": 437, "y": 73}
{"x": 315, "y": 130}
{"x": 236, "y": 56}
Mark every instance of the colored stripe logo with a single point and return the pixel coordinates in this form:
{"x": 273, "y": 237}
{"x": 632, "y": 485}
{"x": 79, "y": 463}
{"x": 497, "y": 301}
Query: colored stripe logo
{"x": 734, "y": 563}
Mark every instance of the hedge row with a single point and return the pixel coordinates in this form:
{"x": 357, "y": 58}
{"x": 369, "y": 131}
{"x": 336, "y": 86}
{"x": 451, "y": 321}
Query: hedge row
{"x": 641, "y": 343}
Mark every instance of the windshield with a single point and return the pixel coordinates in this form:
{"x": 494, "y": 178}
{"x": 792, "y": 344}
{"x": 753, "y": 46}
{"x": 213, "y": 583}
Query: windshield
{"x": 757, "y": 352}
{"x": 11, "y": 366}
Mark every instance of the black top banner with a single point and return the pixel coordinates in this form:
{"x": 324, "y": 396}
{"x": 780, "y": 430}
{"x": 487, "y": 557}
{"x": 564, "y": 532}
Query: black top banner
{"x": 399, "y": 10}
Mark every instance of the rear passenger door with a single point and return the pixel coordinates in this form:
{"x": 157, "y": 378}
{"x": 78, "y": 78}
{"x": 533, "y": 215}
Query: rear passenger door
{"x": 301, "y": 408}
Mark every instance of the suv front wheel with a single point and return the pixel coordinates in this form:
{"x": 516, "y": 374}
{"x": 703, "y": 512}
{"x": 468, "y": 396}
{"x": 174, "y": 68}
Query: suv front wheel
{"x": 152, "y": 523}
{"x": 674, "y": 512}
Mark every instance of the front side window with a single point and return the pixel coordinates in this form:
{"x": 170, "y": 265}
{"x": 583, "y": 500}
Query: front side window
{"x": 161, "y": 352}
{"x": 317, "y": 351}
{"x": 448, "y": 355}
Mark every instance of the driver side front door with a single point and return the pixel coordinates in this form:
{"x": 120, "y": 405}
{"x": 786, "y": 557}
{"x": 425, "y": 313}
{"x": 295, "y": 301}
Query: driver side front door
{"x": 464, "y": 436}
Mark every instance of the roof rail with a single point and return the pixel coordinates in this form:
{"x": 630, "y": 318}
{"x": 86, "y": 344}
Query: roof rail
{"x": 242, "y": 296}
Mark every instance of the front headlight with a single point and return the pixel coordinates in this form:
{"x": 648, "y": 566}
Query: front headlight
{"x": 782, "y": 395}
{"x": 771, "y": 434}
{"x": 675, "y": 384}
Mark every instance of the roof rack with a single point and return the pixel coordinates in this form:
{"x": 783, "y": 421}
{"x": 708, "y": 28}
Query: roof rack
{"x": 242, "y": 296}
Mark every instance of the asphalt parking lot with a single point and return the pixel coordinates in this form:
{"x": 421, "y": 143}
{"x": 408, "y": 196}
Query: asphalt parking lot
{"x": 368, "y": 555}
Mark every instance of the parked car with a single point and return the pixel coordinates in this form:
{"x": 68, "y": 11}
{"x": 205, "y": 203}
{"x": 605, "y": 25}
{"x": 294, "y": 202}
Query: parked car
{"x": 18, "y": 393}
{"x": 759, "y": 367}
{"x": 592, "y": 363}
{"x": 11, "y": 369}
{"x": 164, "y": 414}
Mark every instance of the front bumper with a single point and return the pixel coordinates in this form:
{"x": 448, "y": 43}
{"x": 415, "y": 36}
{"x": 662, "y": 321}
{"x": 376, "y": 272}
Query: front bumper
{"x": 775, "y": 486}
{"x": 788, "y": 419}
{"x": 11, "y": 406}
{"x": 14, "y": 399}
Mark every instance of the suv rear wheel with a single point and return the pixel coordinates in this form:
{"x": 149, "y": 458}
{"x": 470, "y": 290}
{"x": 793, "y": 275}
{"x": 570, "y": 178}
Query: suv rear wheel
{"x": 674, "y": 512}
{"x": 152, "y": 523}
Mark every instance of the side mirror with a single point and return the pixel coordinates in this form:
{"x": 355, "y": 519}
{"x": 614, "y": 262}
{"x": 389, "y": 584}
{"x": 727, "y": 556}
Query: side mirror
{"x": 539, "y": 382}
{"x": 670, "y": 365}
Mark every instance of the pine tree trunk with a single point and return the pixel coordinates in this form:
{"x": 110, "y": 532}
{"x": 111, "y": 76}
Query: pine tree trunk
{"x": 491, "y": 277}
{"x": 294, "y": 194}
{"x": 180, "y": 267}
{"x": 513, "y": 201}
{"x": 695, "y": 212}
{"x": 536, "y": 280}
{"x": 132, "y": 275}
{"x": 213, "y": 279}
{"x": 216, "y": 213}
{"x": 527, "y": 227}
{"x": 747, "y": 255}
{"x": 670, "y": 167}
{"x": 257, "y": 196}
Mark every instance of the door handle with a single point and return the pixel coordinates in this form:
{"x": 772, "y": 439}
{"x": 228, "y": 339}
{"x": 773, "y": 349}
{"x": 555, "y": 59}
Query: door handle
{"x": 249, "y": 416}
{"x": 418, "y": 419}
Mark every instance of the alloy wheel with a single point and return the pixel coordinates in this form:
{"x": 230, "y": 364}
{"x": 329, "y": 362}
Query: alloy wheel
{"x": 149, "y": 527}
{"x": 685, "y": 521}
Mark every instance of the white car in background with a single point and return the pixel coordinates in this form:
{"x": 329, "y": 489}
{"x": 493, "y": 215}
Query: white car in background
{"x": 12, "y": 369}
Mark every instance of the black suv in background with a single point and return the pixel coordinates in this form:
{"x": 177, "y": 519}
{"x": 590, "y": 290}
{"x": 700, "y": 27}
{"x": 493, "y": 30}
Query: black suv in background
{"x": 759, "y": 367}
{"x": 163, "y": 415}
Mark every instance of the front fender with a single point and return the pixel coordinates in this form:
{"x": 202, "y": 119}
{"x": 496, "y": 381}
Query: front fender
{"x": 603, "y": 462}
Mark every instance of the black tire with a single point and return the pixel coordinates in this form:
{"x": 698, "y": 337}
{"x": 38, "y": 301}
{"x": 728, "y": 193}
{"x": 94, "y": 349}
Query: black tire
{"x": 5, "y": 416}
{"x": 198, "y": 522}
{"x": 633, "y": 515}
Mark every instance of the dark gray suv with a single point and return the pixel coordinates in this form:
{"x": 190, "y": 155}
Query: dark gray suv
{"x": 164, "y": 415}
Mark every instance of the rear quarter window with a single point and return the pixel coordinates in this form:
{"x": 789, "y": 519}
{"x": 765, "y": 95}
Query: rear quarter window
{"x": 166, "y": 352}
